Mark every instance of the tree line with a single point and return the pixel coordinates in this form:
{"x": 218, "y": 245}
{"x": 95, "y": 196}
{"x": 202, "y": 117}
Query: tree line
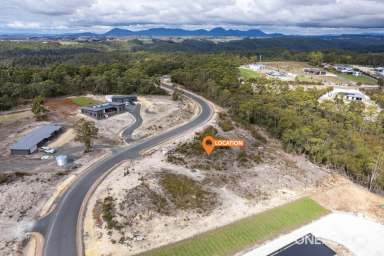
{"x": 20, "y": 84}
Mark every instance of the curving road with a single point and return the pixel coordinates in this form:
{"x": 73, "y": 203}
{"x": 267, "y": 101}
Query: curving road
{"x": 127, "y": 133}
{"x": 59, "y": 228}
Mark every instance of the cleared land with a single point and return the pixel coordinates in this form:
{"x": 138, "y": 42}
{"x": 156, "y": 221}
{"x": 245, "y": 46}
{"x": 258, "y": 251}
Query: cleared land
{"x": 363, "y": 79}
{"x": 15, "y": 116}
{"x": 245, "y": 233}
{"x": 146, "y": 213}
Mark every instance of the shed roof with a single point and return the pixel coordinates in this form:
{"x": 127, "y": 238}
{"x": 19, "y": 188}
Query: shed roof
{"x": 123, "y": 96}
{"x": 35, "y": 137}
{"x": 103, "y": 106}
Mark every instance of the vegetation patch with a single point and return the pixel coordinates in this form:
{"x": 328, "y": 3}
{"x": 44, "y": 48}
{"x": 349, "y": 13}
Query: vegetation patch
{"x": 194, "y": 148}
{"x": 108, "y": 212}
{"x": 225, "y": 122}
{"x": 247, "y": 159}
{"x": 307, "y": 80}
{"x": 83, "y": 101}
{"x": 6, "y": 178}
{"x": 186, "y": 193}
{"x": 192, "y": 155}
{"x": 249, "y": 74}
{"x": 245, "y": 233}
{"x": 140, "y": 200}
{"x": 362, "y": 79}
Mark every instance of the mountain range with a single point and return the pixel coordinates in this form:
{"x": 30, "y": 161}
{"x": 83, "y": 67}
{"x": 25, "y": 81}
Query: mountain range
{"x": 152, "y": 32}
{"x": 217, "y": 32}
{"x": 177, "y": 32}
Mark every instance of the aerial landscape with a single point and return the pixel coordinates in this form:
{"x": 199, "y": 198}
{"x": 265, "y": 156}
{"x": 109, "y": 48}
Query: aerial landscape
{"x": 204, "y": 128}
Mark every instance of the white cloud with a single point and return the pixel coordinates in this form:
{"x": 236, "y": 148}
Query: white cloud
{"x": 96, "y": 14}
{"x": 23, "y": 25}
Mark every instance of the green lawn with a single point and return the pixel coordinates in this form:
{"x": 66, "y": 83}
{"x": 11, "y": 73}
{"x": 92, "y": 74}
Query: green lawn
{"x": 363, "y": 79}
{"x": 248, "y": 74}
{"x": 245, "y": 233}
{"x": 83, "y": 101}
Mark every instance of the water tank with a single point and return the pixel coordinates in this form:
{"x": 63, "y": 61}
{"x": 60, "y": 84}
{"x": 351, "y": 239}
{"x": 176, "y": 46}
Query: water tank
{"x": 62, "y": 160}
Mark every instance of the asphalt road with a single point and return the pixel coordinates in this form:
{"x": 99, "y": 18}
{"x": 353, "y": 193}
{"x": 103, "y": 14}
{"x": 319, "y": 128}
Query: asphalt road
{"x": 127, "y": 133}
{"x": 60, "y": 226}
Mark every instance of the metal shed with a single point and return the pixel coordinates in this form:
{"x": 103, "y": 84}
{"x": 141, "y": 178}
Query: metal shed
{"x": 29, "y": 143}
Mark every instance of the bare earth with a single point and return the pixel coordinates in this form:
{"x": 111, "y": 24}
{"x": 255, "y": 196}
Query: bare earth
{"x": 33, "y": 181}
{"x": 110, "y": 128}
{"x": 240, "y": 191}
{"x": 22, "y": 198}
{"x": 160, "y": 113}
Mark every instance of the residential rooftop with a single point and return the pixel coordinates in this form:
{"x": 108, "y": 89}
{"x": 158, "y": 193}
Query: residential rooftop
{"x": 103, "y": 106}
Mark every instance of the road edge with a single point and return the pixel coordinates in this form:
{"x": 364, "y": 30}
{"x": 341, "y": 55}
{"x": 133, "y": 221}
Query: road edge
{"x": 80, "y": 220}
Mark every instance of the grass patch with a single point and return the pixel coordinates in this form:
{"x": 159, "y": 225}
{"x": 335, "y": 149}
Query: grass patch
{"x": 83, "y": 101}
{"x": 245, "y": 233}
{"x": 249, "y": 74}
{"x": 363, "y": 79}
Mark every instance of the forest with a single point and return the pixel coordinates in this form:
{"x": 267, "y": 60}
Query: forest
{"x": 341, "y": 136}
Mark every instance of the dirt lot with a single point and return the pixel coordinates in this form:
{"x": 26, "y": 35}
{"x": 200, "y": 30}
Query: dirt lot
{"x": 110, "y": 128}
{"x": 23, "y": 194}
{"x": 160, "y": 113}
{"x": 340, "y": 194}
{"x": 237, "y": 191}
{"x": 61, "y": 109}
{"x": 28, "y": 182}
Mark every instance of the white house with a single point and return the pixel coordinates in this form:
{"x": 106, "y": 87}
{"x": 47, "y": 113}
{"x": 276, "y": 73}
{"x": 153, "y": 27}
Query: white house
{"x": 347, "y": 70}
{"x": 345, "y": 94}
{"x": 256, "y": 67}
{"x": 380, "y": 71}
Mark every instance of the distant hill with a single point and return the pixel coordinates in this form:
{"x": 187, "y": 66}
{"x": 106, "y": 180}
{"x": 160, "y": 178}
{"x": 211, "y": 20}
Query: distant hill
{"x": 218, "y": 32}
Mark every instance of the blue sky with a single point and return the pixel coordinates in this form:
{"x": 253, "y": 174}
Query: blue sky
{"x": 286, "y": 16}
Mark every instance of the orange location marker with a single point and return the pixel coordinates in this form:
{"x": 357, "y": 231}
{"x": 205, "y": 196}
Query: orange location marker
{"x": 209, "y": 143}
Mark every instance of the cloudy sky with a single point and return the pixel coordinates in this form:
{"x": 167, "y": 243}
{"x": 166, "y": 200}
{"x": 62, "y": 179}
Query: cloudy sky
{"x": 286, "y": 16}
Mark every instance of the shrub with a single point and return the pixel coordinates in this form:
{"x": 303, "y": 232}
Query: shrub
{"x": 225, "y": 122}
{"x": 108, "y": 212}
{"x": 187, "y": 193}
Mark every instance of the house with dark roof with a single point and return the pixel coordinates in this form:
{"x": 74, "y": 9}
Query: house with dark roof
{"x": 30, "y": 142}
{"x": 105, "y": 110}
{"x": 131, "y": 99}
{"x": 314, "y": 71}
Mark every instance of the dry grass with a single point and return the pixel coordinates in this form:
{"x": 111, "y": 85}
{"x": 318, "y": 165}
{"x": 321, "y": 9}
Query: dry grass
{"x": 15, "y": 116}
{"x": 186, "y": 193}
